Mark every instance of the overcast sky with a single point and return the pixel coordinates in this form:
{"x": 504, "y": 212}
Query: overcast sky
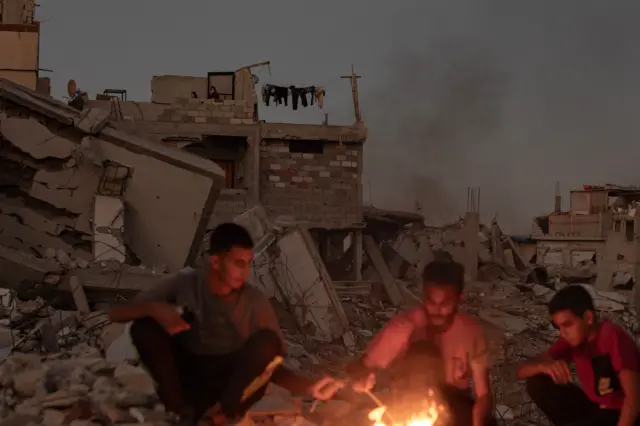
{"x": 507, "y": 95}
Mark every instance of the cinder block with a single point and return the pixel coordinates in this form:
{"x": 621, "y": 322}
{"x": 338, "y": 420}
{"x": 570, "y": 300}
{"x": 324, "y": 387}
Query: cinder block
{"x": 308, "y": 156}
{"x": 273, "y": 178}
{"x": 307, "y": 179}
{"x": 334, "y": 163}
{"x": 280, "y": 185}
{"x": 200, "y": 119}
{"x": 325, "y": 174}
{"x": 275, "y": 166}
{"x": 296, "y": 179}
{"x": 341, "y": 157}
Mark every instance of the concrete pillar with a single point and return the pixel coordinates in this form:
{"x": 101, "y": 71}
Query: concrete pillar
{"x": 471, "y": 244}
{"x": 356, "y": 240}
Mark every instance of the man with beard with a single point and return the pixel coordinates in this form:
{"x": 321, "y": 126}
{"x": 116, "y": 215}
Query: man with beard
{"x": 606, "y": 359}
{"x": 408, "y": 345}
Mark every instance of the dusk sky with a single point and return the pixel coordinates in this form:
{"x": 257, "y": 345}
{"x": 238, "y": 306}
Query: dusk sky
{"x": 507, "y": 95}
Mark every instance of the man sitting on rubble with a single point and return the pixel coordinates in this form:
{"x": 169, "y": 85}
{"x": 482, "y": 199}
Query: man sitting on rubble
{"x": 606, "y": 360}
{"x": 204, "y": 335}
{"x": 433, "y": 331}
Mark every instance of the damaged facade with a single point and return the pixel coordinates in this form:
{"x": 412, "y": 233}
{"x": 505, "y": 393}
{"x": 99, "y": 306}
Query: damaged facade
{"x": 76, "y": 189}
{"x": 599, "y": 233}
{"x": 86, "y": 197}
{"x": 301, "y": 174}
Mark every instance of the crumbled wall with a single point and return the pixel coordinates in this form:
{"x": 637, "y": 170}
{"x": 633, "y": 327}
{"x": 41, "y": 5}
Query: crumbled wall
{"x": 321, "y": 189}
{"x": 50, "y": 174}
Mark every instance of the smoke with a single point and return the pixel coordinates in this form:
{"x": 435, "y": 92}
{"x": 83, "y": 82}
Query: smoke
{"x": 508, "y": 97}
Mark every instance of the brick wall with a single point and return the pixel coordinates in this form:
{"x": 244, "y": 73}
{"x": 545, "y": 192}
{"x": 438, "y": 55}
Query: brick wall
{"x": 230, "y": 204}
{"x": 209, "y": 111}
{"x": 320, "y": 188}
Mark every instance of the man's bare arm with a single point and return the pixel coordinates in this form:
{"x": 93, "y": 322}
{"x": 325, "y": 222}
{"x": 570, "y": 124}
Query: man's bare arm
{"x": 148, "y": 303}
{"x": 479, "y": 363}
{"x": 532, "y": 368}
{"x": 631, "y": 405}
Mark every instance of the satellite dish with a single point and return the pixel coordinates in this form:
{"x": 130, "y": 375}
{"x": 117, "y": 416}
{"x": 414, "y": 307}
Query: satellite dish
{"x": 71, "y": 88}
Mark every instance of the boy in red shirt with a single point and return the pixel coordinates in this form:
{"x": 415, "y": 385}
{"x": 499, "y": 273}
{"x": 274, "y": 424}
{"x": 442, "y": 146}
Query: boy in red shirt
{"x": 606, "y": 359}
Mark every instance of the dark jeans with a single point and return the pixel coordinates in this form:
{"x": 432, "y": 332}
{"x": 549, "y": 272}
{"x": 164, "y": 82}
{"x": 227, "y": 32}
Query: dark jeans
{"x": 422, "y": 367}
{"x": 568, "y": 405}
{"x": 188, "y": 382}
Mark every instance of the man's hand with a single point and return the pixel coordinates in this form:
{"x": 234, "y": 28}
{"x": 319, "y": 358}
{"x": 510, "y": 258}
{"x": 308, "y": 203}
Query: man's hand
{"x": 365, "y": 385}
{"x": 557, "y": 370}
{"x": 169, "y": 318}
{"x": 325, "y": 388}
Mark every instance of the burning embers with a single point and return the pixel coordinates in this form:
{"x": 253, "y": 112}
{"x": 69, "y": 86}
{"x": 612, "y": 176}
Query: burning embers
{"x": 425, "y": 413}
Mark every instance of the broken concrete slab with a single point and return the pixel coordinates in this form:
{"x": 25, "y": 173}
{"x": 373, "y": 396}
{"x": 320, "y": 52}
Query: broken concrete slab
{"x": 381, "y": 267}
{"x": 34, "y": 138}
{"x": 71, "y": 189}
{"x": 305, "y": 282}
{"x": 19, "y": 269}
{"x": 15, "y": 235}
{"x": 155, "y": 192}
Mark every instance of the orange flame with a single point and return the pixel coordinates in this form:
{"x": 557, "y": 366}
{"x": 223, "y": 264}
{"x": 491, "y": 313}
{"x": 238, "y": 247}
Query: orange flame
{"x": 427, "y": 417}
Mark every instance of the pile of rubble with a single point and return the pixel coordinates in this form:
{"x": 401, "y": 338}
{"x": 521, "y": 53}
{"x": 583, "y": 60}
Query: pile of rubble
{"x": 511, "y": 306}
{"x": 77, "y": 388}
{"x": 66, "y": 255}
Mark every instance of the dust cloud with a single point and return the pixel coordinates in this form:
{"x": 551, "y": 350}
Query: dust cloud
{"x": 509, "y": 97}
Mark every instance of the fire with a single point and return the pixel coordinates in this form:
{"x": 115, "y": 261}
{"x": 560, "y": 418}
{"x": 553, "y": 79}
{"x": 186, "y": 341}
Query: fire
{"x": 427, "y": 417}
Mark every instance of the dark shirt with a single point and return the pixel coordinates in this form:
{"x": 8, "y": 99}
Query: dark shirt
{"x": 221, "y": 324}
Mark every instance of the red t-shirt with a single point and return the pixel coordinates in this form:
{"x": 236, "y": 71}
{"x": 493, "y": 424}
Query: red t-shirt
{"x": 611, "y": 343}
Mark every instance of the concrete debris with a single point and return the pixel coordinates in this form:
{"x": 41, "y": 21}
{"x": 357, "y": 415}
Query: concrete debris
{"x": 90, "y": 215}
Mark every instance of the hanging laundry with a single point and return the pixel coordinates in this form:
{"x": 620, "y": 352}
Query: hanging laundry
{"x": 298, "y": 94}
{"x": 319, "y": 94}
{"x": 279, "y": 94}
{"x": 311, "y": 91}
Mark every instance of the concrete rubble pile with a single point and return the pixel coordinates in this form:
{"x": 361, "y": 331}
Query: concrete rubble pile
{"x": 83, "y": 224}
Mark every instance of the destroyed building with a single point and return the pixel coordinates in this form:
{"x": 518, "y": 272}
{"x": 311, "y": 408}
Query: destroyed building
{"x": 301, "y": 173}
{"x": 65, "y": 179}
{"x": 600, "y": 231}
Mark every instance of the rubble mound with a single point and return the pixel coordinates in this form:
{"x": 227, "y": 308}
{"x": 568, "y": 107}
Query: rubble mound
{"x": 79, "y": 388}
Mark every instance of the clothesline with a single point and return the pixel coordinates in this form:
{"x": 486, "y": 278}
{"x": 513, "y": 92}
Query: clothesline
{"x": 280, "y": 95}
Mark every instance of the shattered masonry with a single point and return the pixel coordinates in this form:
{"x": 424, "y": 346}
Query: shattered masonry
{"x": 85, "y": 199}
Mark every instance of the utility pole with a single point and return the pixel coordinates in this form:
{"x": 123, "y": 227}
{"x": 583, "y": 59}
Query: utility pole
{"x": 354, "y": 91}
